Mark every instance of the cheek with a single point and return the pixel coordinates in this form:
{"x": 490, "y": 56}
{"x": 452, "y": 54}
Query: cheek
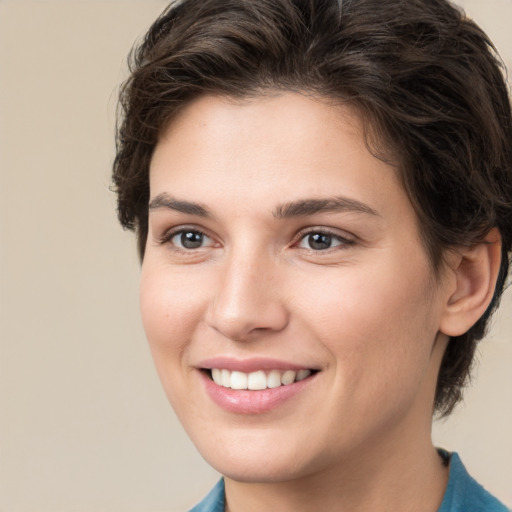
{"x": 360, "y": 300}
{"x": 170, "y": 311}
{"x": 378, "y": 325}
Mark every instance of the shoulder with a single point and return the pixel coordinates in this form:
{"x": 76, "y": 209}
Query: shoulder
{"x": 214, "y": 501}
{"x": 464, "y": 494}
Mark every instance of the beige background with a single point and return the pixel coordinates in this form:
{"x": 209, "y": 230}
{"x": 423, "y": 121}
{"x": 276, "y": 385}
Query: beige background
{"x": 84, "y": 425}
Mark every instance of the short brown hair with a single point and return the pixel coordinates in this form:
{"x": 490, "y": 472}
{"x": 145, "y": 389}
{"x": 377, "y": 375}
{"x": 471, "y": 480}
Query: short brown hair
{"x": 426, "y": 79}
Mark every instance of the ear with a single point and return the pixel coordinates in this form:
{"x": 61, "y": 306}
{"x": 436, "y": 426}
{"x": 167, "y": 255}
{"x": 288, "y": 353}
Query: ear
{"x": 475, "y": 270}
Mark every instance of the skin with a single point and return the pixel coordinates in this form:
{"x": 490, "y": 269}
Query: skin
{"x": 368, "y": 312}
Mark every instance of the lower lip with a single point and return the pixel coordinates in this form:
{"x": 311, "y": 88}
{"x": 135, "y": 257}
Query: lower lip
{"x": 252, "y": 402}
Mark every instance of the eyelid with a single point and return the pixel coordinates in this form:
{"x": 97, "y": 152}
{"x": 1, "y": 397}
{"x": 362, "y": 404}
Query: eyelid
{"x": 170, "y": 233}
{"x": 347, "y": 239}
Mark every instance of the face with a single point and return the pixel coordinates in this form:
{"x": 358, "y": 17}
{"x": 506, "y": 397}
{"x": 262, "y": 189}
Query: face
{"x": 288, "y": 301}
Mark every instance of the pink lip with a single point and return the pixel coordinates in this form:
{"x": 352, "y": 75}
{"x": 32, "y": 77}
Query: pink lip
{"x": 252, "y": 402}
{"x": 249, "y": 365}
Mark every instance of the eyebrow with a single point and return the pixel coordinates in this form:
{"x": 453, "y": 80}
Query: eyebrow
{"x": 299, "y": 208}
{"x": 304, "y": 207}
{"x": 166, "y": 201}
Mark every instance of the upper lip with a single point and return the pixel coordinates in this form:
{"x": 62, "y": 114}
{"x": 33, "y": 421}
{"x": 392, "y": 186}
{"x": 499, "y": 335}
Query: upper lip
{"x": 250, "y": 365}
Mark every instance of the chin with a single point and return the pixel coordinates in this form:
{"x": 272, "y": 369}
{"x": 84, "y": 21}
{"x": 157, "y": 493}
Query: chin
{"x": 258, "y": 459}
{"x": 262, "y": 470}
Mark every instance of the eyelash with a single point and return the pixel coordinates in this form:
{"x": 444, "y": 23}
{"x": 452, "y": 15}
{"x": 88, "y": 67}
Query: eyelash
{"x": 344, "y": 242}
{"x": 170, "y": 234}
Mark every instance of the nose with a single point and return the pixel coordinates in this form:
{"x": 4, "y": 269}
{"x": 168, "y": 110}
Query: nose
{"x": 248, "y": 299}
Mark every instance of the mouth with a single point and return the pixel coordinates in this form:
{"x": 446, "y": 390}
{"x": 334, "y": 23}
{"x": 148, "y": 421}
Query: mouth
{"x": 257, "y": 385}
{"x": 257, "y": 380}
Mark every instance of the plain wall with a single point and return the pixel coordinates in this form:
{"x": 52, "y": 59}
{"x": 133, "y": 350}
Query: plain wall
{"x": 84, "y": 425}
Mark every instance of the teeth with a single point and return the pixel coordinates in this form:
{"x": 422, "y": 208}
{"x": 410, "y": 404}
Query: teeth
{"x": 216, "y": 376}
{"x": 274, "y": 379}
{"x": 226, "y": 378}
{"x": 238, "y": 380}
{"x": 302, "y": 374}
{"x": 257, "y": 380}
{"x": 288, "y": 377}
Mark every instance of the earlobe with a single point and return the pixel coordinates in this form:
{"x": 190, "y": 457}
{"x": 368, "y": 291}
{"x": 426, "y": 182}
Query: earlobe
{"x": 476, "y": 273}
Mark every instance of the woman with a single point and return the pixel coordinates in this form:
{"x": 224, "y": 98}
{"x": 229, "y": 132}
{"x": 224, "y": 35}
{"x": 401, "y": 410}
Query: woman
{"x": 322, "y": 195}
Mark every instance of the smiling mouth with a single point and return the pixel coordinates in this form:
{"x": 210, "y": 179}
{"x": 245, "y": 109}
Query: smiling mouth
{"x": 257, "y": 380}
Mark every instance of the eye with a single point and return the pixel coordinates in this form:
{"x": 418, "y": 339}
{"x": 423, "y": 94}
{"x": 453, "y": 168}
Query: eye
{"x": 321, "y": 241}
{"x": 190, "y": 239}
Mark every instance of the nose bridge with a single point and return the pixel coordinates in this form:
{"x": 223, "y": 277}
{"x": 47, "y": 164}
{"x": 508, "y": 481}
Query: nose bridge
{"x": 247, "y": 298}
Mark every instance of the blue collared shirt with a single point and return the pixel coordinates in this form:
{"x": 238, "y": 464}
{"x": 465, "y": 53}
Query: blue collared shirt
{"x": 463, "y": 494}
{"x": 214, "y": 501}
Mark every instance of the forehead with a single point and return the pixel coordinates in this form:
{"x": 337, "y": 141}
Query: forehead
{"x": 227, "y": 118}
{"x": 271, "y": 131}
{"x": 254, "y": 155}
